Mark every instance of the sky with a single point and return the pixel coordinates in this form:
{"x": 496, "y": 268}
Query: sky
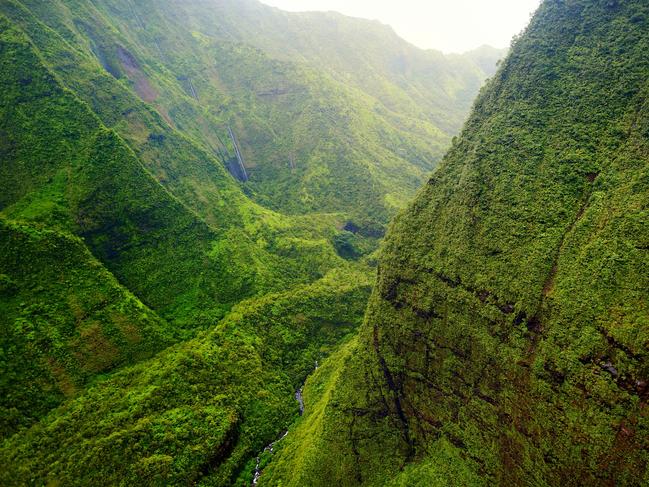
{"x": 446, "y": 25}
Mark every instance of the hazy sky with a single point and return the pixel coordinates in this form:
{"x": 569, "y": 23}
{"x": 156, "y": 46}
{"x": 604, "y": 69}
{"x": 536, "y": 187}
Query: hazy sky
{"x": 447, "y": 25}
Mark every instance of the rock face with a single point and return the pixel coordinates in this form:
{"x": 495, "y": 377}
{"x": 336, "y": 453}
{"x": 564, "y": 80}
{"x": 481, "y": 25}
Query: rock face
{"x": 507, "y": 339}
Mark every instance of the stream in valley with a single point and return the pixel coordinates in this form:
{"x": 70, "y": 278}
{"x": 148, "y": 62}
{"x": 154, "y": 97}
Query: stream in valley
{"x": 269, "y": 448}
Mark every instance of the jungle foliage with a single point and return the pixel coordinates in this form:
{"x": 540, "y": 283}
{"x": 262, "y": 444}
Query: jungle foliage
{"x": 353, "y": 128}
{"x": 506, "y": 341}
{"x": 197, "y": 412}
{"x": 158, "y": 311}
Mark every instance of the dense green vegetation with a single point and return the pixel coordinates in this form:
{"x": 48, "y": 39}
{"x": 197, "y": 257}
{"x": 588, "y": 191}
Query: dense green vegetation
{"x": 158, "y": 314}
{"x": 63, "y": 319}
{"x": 198, "y": 411}
{"x": 318, "y": 130}
{"x": 192, "y": 194}
{"x": 67, "y": 170}
{"x": 507, "y": 340}
{"x": 62, "y": 169}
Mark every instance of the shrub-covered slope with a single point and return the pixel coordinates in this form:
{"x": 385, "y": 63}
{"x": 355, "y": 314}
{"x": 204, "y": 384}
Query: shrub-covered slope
{"x": 318, "y": 130}
{"x": 365, "y": 54}
{"x": 64, "y": 319}
{"x": 62, "y": 167}
{"x": 123, "y": 229}
{"x": 507, "y": 340}
{"x": 196, "y": 413}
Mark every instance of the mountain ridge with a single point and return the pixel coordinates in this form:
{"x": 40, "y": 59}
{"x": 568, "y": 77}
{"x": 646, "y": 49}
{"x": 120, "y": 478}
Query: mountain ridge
{"x": 161, "y": 312}
{"x": 252, "y": 120}
{"x": 505, "y": 341}
{"x": 117, "y": 145}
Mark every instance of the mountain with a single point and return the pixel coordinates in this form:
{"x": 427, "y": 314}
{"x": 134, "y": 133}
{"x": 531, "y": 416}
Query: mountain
{"x": 196, "y": 412}
{"x": 168, "y": 243}
{"x": 506, "y": 341}
{"x": 191, "y": 197}
{"x": 354, "y": 126}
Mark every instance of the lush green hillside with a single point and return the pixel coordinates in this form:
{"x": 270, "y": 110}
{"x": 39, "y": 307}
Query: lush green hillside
{"x": 161, "y": 299}
{"x": 507, "y": 340}
{"x": 358, "y": 52}
{"x": 318, "y": 131}
{"x": 62, "y": 169}
{"x": 199, "y": 411}
{"x": 64, "y": 319}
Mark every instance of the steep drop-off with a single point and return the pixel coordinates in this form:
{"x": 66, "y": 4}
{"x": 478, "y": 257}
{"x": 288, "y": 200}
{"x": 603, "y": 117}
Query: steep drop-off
{"x": 507, "y": 339}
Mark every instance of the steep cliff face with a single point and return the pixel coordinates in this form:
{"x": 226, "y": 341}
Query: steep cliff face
{"x": 507, "y": 338}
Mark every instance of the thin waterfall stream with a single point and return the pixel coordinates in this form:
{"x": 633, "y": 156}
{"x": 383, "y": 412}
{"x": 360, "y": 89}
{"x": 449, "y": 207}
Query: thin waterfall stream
{"x": 269, "y": 448}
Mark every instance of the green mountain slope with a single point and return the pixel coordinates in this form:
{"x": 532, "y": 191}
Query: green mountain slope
{"x": 314, "y": 133}
{"x": 358, "y": 52}
{"x": 64, "y": 319}
{"x": 197, "y": 412}
{"x": 128, "y": 225}
{"x": 65, "y": 168}
{"x": 506, "y": 341}
{"x": 62, "y": 169}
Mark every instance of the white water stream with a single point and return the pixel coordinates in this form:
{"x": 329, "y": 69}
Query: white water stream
{"x": 269, "y": 448}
